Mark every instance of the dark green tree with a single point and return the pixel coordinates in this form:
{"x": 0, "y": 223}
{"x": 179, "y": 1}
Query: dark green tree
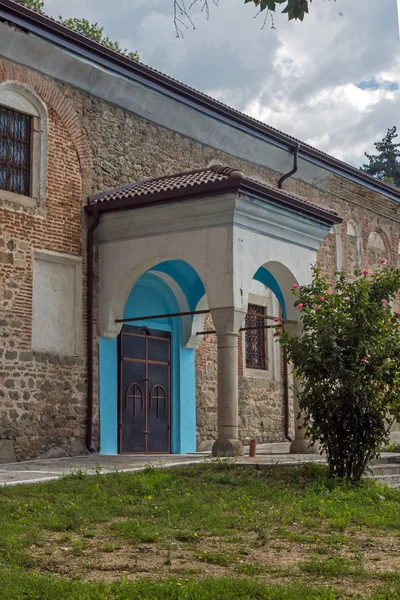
{"x": 91, "y": 30}
{"x": 385, "y": 165}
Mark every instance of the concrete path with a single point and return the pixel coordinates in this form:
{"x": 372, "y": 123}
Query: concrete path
{"x": 34, "y": 471}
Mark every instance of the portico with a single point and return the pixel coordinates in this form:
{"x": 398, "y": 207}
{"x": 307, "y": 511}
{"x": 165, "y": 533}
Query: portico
{"x": 179, "y": 244}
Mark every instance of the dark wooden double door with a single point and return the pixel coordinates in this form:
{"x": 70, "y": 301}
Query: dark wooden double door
{"x": 144, "y": 399}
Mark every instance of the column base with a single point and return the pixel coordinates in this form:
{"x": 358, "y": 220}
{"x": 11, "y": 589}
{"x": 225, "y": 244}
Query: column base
{"x": 227, "y": 448}
{"x": 303, "y": 447}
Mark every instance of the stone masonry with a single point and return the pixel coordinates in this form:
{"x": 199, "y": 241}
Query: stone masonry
{"x": 93, "y": 146}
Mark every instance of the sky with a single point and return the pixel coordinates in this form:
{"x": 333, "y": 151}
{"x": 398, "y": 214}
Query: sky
{"x": 332, "y": 81}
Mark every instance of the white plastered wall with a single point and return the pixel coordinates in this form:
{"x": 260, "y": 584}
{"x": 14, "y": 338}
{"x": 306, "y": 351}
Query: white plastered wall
{"x": 225, "y": 239}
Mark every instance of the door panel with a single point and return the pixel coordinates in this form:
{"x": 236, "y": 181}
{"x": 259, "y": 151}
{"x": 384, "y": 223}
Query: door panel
{"x": 158, "y": 413}
{"x": 133, "y": 408}
{"x": 145, "y": 405}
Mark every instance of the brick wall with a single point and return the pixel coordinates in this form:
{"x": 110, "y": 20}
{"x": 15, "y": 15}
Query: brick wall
{"x": 42, "y": 396}
{"x": 94, "y": 146}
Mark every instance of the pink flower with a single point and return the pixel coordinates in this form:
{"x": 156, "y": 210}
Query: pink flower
{"x": 322, "y": 298}
{"x": 398, "y": 315}
{"x": 295, "y": 286}
{"x": 365, "y": 361}
{"x": 312, "y": 296}
{"x": 365, "y": 272}
{"x": 384, "y": 301}
{"x": 316, "y": 307}
{"x": 383, "y": 261}
{"x": 277, "y": 320}
{"x": 299, "y": 306}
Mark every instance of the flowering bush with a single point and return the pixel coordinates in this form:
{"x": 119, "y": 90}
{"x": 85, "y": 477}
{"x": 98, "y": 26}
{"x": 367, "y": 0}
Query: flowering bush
{"x": 348, "y": 360}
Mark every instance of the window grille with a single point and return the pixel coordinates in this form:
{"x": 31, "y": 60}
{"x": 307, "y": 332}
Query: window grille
{"x": 255, "y": 338}
{"x": 15, "y": 151}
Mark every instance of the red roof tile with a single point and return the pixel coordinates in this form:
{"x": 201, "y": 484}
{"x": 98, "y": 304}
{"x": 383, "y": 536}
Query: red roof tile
{"x": 168, "y": 183}
{"x": 190, "y": 180}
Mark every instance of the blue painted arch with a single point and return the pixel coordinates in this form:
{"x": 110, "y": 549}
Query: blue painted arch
{"x": 265, "y": 277}
{"x": 151, "y": 295}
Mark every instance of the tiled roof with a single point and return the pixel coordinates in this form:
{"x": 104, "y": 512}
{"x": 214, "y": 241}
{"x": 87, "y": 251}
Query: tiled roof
{"x": 193, "y": 181}
{"x": 166, "y": 183}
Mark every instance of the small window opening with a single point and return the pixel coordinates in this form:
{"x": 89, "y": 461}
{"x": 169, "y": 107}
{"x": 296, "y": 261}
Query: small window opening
{"x": 15, "y": 151}
{"x": 255, "y": 338}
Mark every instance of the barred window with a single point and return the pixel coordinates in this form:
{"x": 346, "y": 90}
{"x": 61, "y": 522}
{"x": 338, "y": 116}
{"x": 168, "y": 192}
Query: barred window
{"x": 255, "y": 340}
{"x": 15, "y": 151}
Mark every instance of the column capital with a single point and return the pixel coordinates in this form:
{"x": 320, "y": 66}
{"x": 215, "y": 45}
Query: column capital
{"x": 228, "y": 320}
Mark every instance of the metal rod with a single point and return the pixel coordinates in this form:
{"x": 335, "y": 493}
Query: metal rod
{"x": 192, "y": 312}
{"x": 165, "y": 316}
{"x": 211, "y": 331}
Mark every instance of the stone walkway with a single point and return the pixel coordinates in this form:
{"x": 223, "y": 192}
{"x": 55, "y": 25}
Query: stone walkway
{"x": 386, "y": 469}
{"x": 34, "y": 471}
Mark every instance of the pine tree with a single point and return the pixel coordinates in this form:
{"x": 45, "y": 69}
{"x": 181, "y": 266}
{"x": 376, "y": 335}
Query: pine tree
{"x": 385, "y": 165}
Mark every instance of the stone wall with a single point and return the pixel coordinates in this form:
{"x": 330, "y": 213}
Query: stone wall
{"x": 94, "y": 146}
{"x": 261, "y": 400}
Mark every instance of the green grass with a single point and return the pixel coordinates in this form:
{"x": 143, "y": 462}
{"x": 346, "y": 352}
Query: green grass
{"x": 208, "y": 531}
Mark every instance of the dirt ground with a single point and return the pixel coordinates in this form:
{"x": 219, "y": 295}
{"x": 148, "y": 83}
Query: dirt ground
{"x": 365, "y": 560}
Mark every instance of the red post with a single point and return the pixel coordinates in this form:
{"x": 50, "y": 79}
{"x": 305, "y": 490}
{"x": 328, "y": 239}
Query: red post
{"x": 252, "y": 449}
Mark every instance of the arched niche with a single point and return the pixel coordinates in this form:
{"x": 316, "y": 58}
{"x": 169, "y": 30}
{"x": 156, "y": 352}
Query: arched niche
{"x": 377, "y": 248}
{"x": 353, "y": 248}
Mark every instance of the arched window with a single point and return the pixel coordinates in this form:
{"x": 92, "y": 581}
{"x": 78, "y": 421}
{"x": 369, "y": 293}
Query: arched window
{"x": 353, "y": 248}
{"x": 23, "y": 144}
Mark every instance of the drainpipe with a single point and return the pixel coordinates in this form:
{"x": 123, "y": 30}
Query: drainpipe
{"x": 285, "y": 365}
{"x": 89, "y": 357}
{"x": 292, "y": 171}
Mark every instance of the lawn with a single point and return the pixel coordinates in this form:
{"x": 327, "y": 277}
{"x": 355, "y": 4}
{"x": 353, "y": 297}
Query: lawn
{"x": 212, "y": 531}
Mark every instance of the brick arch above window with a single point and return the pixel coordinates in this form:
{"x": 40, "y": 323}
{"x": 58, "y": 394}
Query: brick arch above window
{"x": 53, "y": 97}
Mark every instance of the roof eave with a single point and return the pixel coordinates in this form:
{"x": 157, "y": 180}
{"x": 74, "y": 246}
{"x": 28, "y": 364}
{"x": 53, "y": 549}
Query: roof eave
{"x": 255, "y": 189}
{"x": 62, "y": 36}
{"x": 238, "y": 185}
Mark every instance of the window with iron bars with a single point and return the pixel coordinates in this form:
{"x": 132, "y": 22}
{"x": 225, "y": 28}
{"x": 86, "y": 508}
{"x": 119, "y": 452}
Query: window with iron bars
{"x": 15, "y": 151}
{"x": 255, "y": 340}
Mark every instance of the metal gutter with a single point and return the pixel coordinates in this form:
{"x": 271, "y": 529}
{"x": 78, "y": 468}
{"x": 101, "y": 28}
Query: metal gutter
{"x": 89, "y": 332}
{"x": 292, "y": 171}
{"x": 60, "y": 35}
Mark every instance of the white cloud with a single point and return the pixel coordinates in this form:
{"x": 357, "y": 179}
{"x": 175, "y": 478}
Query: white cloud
{"x": 301, "y": 77}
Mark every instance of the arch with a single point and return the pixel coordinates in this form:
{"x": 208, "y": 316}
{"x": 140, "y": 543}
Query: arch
{"x": 178, "y": 274}
{"x": 52, "y": 96}
{"x": 279, "y": 279}
{"x": 353, "y": 247}
{"x": 353, "y": 228}
{"x": 158, "y": 393}
{"x": 131, "y": 393}
{"x": 377, "y": 247}
{"x": 18, "y": 96}
{"x": 161, "y": 288}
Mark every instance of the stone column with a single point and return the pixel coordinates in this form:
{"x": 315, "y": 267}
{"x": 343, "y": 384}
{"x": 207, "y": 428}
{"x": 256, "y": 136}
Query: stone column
{"x": 300, "y": 444}
{"x": 227, "y": 322}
